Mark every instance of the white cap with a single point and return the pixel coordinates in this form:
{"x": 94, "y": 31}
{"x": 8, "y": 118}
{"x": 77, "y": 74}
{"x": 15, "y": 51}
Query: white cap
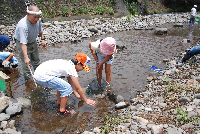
{"x": 95, "y": 45}
{"x": 195, "y": 5}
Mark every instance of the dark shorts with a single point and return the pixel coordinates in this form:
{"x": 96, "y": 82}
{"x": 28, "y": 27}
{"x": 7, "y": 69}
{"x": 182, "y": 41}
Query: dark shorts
{"x": 192, "y": 18}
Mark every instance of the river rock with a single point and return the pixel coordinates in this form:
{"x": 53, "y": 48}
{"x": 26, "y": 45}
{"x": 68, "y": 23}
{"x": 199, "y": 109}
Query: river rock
{"x": 119, "y": 98}
{"x": 178, "y": 25}
{"x": 187, "y": 126}
{"x": 4, "y": 117}
{"x": 160, "y": 31}
{"x": 24, "y": 101}
{"x": 120, "y": 105}
{"x": 93, "y": 29}
{"x": 10, "y": 131}
{"x": 3, "y": 124}
{"x": 142, "y": 121}
{"x": 4, "y": 102}
{"x": 184, "y": 99}
{"x": 197, "y": 96}
{"x": 14, "y": 108}
{"x": 157, "y": 129}
{"x": 96, "y": 130}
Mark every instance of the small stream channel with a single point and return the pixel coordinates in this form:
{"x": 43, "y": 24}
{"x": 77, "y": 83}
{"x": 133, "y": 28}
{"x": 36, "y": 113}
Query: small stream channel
{"x": 129, "y": 72}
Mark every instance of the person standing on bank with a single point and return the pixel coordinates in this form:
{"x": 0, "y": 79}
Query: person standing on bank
{"x": 193, "y": 14}
{"x": 25, "y": 36}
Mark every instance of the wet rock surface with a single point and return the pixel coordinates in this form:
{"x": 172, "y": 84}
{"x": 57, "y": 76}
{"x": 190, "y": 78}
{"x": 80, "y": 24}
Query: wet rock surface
{"x": 10, "y": 108}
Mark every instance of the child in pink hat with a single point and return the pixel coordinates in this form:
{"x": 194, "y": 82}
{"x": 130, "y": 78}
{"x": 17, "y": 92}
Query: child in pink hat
{"x": 103, "y": 52}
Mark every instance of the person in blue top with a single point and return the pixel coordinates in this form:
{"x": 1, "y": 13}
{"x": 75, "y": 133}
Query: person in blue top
{"x": 7, "y": 59}
{"x": 4, "y": 42}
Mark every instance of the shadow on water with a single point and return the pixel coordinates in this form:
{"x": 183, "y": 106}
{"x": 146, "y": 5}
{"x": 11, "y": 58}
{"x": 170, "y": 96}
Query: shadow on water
{"x": 129, "y": 72}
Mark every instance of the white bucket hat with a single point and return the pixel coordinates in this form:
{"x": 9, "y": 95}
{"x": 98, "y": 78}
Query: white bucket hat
{"x": 95, "y": 45}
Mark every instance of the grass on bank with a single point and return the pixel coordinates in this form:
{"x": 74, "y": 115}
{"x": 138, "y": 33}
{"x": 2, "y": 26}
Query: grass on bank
{"x": 67, "y": 8}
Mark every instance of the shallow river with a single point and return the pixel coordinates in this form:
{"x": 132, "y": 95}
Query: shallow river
{"x": 129, "y": 72}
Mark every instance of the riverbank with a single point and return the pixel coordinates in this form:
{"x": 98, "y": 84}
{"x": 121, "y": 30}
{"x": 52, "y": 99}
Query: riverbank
{"x": 169, "y": 103}
{"x": 78, "y": 30}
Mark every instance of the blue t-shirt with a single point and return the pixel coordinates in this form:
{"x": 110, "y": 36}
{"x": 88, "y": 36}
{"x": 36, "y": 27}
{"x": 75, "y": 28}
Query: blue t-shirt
{"x": 5, "y": 55}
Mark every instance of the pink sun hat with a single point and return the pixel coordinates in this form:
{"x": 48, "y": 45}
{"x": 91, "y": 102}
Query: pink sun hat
{"x": 108, "y": 46}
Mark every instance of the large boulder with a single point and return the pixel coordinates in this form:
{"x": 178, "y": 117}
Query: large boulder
{"x": 160, "y": 31}
{"x": 14, "y": 108}
{"x": 4, "y": 102}
{"x": 178, "y": 25}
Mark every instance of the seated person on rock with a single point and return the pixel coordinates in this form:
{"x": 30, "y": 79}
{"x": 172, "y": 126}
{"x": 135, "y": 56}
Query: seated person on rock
{"x": 194, "y": 51}
{"x": 7, "y": 59}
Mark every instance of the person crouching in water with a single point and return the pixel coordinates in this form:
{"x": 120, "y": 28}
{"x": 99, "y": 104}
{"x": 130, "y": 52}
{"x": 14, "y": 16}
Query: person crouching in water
{"x": 103, "y": 51}
{"x": 7, "y": 59}
{"x": 48, "y": 75}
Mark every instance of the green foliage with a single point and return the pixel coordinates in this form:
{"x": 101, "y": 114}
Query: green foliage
{"x": 171, "y": 88}
{"x": 154, "y": 2}
{"x": 194, "y": 119}
{"x": 132, "y": 7}
{"x": 83, "y": 10}
{"x": 128, "y": 18}
{"x": 64, "y": 8}
{"x": 99, "y": 10}
{"x": 110, "y": 123}
{"x": 109, "y": 10}
{"x": 181, "y": 115}
{"x": 128, "y": 116}
{"x": 166, "y": 79}
{"x": 56, "y": 8}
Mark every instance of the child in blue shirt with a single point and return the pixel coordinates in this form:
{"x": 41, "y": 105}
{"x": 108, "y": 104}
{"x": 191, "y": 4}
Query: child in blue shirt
{"x": 7, "y": 59}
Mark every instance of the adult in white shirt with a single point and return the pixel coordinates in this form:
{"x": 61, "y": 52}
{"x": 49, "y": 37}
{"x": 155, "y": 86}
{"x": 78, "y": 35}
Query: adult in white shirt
{"x": 25, "y": 36}
{"x": 193, "y": 14}
{"x": 49, "y": 73}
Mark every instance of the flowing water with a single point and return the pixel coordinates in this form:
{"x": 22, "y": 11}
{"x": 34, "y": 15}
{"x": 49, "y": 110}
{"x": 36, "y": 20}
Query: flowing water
{"x": 129, "y": 72}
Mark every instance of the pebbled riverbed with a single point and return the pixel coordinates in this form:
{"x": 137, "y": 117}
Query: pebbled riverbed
{"x": 129, "y": 73}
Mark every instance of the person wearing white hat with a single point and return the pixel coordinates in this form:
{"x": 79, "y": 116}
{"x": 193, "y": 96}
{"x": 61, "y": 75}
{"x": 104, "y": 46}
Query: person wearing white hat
{"x": 25, "y": 36}
{"x": 193, "y": 14}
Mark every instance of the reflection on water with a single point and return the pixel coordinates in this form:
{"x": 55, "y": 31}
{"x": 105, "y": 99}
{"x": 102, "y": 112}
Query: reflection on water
{"x": 129, "y": 72}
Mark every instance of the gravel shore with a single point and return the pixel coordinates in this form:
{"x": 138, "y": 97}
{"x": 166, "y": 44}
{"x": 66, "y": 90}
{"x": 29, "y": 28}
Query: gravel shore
{"x": 169, "y": 103}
